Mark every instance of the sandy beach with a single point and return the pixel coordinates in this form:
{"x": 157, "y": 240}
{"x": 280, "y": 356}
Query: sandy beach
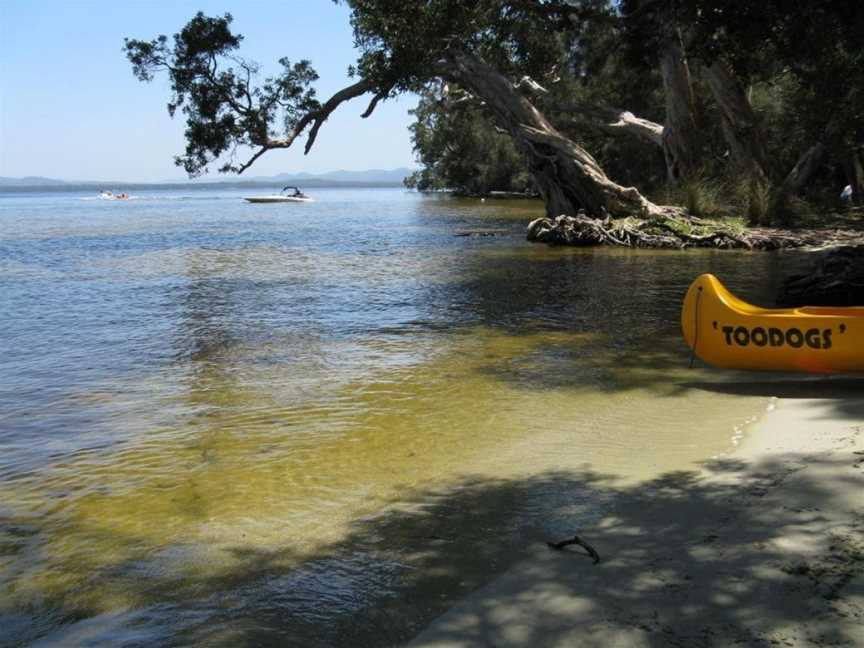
{"x": 764, "y": 547}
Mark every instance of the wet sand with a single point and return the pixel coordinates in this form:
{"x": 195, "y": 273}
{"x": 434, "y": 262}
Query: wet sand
{"x": 762, "y": 548}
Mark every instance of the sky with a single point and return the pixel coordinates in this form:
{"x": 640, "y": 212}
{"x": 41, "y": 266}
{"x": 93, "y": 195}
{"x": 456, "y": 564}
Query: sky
{"x": 70, "y": 107}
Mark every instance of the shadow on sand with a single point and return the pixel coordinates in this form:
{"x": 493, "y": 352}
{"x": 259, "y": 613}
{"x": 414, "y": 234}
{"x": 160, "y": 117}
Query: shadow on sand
{"x": 845, "y": 393}
{"x": 688, "y": 559}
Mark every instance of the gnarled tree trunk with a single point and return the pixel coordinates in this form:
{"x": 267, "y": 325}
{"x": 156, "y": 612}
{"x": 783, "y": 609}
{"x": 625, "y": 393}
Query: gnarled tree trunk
{"x": 569, "y": 179}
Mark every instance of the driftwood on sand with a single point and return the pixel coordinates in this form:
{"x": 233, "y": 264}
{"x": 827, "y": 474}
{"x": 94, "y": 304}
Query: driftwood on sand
{"x": 576, "y": 540}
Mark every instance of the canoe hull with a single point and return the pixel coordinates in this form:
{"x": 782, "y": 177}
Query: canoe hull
{"x": 728, "y": 332}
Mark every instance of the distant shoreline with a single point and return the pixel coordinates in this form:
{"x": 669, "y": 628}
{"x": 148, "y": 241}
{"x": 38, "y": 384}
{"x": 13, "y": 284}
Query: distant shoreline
{"x": 196, "y": 186}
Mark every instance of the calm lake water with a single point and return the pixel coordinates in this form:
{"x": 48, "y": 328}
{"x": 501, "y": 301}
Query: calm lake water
{"x": 319, "y": 424}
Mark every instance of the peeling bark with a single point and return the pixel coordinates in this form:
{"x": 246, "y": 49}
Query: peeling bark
{"x": 615, "y": 121}
{"x": 625, "y": 121}
{"x": 621, "y": 122}
{"x": 530, "y": 86}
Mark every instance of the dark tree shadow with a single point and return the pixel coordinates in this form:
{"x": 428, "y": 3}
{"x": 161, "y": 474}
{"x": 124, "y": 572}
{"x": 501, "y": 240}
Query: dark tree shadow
{"x": 688, "y": 559}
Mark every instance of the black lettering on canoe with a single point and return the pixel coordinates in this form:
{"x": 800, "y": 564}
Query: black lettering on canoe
{"x": 826, "y": 339}
{"x": 794, "y": 338}
{"x": 775, "y": 337}
{"x": 742, "y": 336}
{"x": 727, "y": 331}
{"x": 813, "y": 338}
{"x": 759, "y": 336}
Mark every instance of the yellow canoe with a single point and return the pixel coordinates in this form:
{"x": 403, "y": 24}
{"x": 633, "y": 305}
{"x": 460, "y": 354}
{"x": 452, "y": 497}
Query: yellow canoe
{"x": 727, "y": 332}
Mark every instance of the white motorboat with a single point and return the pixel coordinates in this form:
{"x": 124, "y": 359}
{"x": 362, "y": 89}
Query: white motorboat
{"x": 281, "y": 197}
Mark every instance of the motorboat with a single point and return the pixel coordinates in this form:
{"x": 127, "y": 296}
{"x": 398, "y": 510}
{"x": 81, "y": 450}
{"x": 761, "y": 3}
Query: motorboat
{"x": 282, "y": 197}
{"x": 108, "y": 195}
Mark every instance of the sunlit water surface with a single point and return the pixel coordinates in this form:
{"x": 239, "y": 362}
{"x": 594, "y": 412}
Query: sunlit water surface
{"x": 235, "y": 424}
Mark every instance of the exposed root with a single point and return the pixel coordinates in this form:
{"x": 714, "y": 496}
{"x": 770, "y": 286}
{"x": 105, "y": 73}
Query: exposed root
{"x": 675, "y": 230}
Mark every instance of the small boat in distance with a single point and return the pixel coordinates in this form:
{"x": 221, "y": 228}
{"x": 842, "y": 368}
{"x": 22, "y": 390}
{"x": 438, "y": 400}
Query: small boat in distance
{"x": 107, "y": 195}
{"x": 728, "y": 332}
{"x": 281, "y": 197}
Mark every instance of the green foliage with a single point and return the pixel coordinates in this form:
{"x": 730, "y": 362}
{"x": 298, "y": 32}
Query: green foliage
{"x": 460, "y": 150}
{"x": 758, "y": 201}
{"x": 701, "y": 194}
{"x": 581, "y": 67}
{"x": 402, "y": 41}
{"x": 802, "y": 67}
{"x": 424, "y": 180}
{"x": 213, "y": 87}
{"x": 813, "y": 48}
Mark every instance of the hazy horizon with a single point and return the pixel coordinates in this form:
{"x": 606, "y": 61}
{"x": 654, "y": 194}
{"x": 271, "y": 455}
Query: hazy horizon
{"x": 70, "y": 106}
{"x": 384, "y": 175}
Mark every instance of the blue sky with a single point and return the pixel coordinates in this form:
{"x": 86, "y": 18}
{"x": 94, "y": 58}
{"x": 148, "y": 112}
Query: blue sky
{"x": 70, "y": 107}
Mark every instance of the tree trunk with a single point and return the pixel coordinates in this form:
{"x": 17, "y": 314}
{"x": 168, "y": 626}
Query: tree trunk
{"x": 740, "y": 124}
{"x": 794, "y": 182}
{"x": 680, "y": 132}
{"x": 800, "y": 174}
{"x": 568, "y": 178}
{"x": 855, "y": 173}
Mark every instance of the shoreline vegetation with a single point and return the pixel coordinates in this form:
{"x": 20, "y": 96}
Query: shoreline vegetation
{"x": 625, "y": 117}
{"x": 682, "y": 231}
{"x": 763, "y": 547}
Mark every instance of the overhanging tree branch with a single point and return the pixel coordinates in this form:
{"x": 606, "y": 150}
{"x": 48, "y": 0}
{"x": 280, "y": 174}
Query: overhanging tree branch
{"x": 316, "y": 118}
{"x": 381, "y": 94}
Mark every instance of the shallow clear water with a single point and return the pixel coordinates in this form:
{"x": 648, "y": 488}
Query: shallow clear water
{"x": 231, "y": 424}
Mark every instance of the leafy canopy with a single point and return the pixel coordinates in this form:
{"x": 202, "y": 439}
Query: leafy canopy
{"x": 401, "y": 45}
{"x": 214, "y": 88}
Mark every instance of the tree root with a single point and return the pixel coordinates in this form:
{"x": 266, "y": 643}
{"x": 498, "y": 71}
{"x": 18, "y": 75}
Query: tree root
{"x": 676, "y": 230}
{"x": 558, "y": 546}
